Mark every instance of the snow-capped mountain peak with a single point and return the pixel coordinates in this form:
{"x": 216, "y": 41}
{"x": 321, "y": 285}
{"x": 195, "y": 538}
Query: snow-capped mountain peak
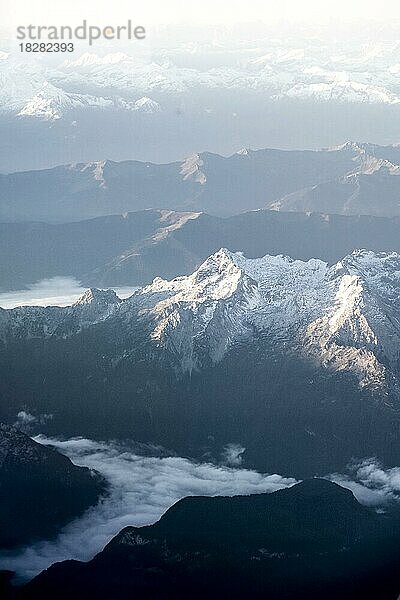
{"x": 377, "y": 268}
{"x": 343, "y": 317}
{"x": 94, "y": 295}
{"x": 212, "y": 302}
{"x": 217, "y": 278}
{"x": 360, "y": 331}
{"x": 147, "y": 105}
{"x": 47, "y": 104}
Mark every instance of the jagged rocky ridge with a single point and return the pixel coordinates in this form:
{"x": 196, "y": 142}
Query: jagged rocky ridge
{"x": 318, "y": 348}
{"x": 346, "y": 316}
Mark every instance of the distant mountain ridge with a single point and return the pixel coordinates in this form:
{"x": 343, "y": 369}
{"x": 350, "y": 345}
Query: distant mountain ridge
{"x": 133, "y": 248}
{"x": 203, "y": 182}
{"x": 373, "y": 190}
{"x": 284, "y": 68}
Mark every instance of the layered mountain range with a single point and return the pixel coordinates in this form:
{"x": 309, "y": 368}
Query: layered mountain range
{"x": 361, "y": 179}
{"x": 281, "y": 68}
{"x": 318, "y": 346}
{"x": 133, "y": 248}
{"x": 296, "y": 88}
{"x": 266, "y": 330}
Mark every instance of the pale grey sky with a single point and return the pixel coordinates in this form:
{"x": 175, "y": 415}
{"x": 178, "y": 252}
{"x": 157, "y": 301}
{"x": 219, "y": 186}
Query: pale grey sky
{"x": 154, "y": 12}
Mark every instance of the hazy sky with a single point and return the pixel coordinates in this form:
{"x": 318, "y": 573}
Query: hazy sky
{"x": 153, "y": 12}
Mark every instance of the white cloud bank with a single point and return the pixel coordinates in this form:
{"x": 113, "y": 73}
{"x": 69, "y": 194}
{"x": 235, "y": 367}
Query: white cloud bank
{"x": 371, "y": 484}
{"x": 143, "y": 488}
{"x": 57, "y": 291}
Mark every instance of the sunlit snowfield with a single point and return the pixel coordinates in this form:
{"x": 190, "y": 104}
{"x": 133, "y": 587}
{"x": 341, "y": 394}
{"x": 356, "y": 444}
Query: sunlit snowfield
{"x": 58, "y": 291}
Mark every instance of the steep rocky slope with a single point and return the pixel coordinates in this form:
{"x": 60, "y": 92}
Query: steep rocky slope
{"x": 40, "y": 489}
{"x": 241, "y": 349}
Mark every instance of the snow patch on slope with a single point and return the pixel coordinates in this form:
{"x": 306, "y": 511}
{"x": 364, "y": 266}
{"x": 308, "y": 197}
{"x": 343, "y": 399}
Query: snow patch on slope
{"x": 211, "y": 303}
{"x": 147, "y": 105}
{"x": 345, "y": 317}
{"x": 191, "y": 169}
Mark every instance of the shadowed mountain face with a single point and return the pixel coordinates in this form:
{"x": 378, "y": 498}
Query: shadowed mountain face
{"x": 298, "y": 362}
{"x": 40, "y": 489}
{"x": 33, "y": 251}
{"x": 309, "y": 540}
{"x": 203, "y": 182}
{"x": 134, "y": 248}
{"x": 374, "y": 191}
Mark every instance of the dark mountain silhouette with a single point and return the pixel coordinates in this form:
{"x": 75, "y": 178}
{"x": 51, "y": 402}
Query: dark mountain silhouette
{"x": 311, "y": 540}
{"x": 40, "y": 489}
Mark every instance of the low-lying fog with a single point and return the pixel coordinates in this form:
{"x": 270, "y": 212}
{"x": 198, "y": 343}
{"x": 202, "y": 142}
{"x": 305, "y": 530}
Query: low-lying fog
{"x": 57, "y": 291}
{"x": 144, "y": 487}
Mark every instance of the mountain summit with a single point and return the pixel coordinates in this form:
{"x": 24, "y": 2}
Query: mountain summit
{"x": 344, "y": 316}
{"x": 241, "y": 350}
